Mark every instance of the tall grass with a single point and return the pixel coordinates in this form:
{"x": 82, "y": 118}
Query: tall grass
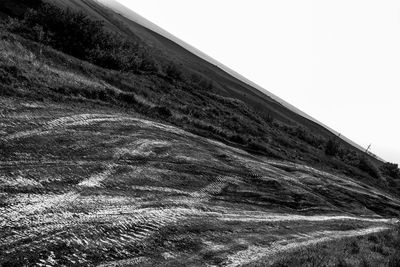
{"x": 381, "y": 249}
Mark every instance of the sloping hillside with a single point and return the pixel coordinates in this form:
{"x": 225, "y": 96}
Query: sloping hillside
{"x": 224, "y": 74}
{"x": 227, "y": 82}
{"x": 199, "y": 69}
{"x": 144, "y": 167}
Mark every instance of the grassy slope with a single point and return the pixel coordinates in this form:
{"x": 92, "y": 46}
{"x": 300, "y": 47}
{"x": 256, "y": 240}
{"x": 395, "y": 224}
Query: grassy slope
{"x": 91, "y": 172}
{"x": 200, "y": 111}
{"x": 85, "y": 181}
{"x": 224, "y": 83}
{"x": 197, "y": 109}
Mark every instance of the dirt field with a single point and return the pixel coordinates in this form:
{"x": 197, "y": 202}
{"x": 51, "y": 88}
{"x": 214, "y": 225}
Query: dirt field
{"x": 85, "y": 187}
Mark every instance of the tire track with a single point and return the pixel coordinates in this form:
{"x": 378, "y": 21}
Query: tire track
{"x": 97, "y": 179}
{"x": 88, "y": 217}
{"x": 87, "y": 119}
{"x": 276, "y": 217}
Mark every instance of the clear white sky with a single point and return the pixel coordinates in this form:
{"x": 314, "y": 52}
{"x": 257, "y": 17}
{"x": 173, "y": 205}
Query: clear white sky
{"x": 338, "y": 61}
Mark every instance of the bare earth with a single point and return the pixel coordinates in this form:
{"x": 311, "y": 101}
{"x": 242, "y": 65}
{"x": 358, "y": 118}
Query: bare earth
{"x": 97, "y": 187}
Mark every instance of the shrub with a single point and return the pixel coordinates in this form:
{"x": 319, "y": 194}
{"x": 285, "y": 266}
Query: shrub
{"x": 299, "y": 132}
{"x": 17, "y": 8}
{"x": 306, "y": 135}
{"x": 200, "y": 83}
{"x": 367, "y": 166}
{"x": 147, "y": 63}
{"x": 332, "y": 147}
{"x": 390, "y": 169}
{"x": 349, "y": 156}
{"x": 122, "y": 55}
{"x": 163, "y": 111}
{"x": 71, "y": 32}
{"x": 17, "y": 26}
{"x": 76, "y": 34}
{"x": 173, "y": 72}
{"x": 394, "y": 260}
{"x": 127, "y": 98}
{"x": 237, "y": 138}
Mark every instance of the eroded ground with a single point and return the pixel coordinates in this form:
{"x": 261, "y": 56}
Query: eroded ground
{"x": 84, "y": 186}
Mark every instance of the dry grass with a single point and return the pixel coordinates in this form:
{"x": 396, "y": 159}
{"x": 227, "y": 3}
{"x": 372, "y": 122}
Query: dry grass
{"x": 24, "y": 72}
{"x": 380, "y": 249}
{"x": 83, "y": 180}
